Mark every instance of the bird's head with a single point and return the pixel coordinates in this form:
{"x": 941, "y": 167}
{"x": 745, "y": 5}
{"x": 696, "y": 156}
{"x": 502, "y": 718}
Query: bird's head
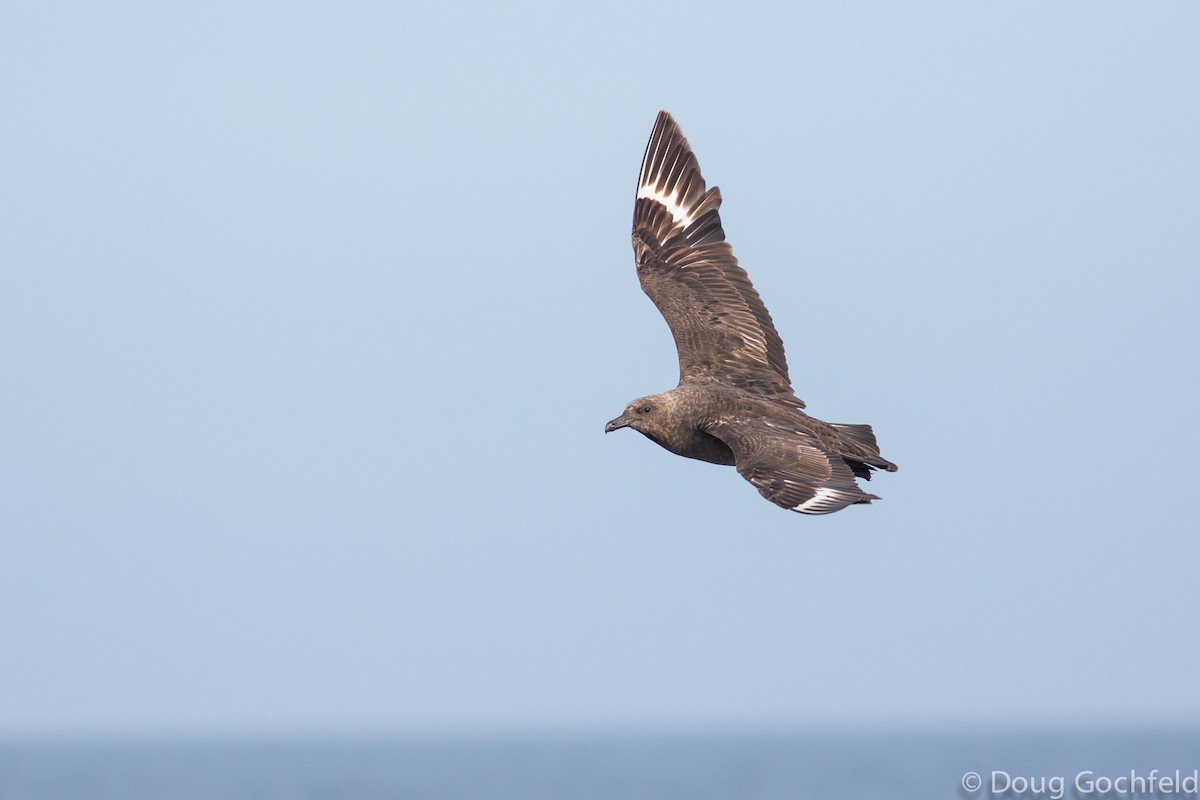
{"x": 645, "y": 415}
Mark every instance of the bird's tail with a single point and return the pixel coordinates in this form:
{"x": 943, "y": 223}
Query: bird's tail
{"x": 861, "y": 451}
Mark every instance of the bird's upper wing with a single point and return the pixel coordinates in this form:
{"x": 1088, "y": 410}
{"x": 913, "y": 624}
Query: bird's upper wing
{"x": 722, "y": 329}
{"x": 789, "y": 467}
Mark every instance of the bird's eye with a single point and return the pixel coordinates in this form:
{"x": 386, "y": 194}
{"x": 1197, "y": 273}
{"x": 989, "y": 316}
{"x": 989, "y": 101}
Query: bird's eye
{"x": 645, "y": 409}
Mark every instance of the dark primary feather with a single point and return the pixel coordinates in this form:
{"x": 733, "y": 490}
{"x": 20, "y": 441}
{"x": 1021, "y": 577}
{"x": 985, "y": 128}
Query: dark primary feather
{"x": 721, "y": 327}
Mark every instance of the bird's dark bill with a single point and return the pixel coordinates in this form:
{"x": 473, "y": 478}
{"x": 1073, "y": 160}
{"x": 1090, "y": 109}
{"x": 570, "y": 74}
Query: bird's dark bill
{"x": 616, "y": 424}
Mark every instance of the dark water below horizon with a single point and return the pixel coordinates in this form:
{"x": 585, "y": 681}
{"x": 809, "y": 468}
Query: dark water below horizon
{"x": 752, "y": 766}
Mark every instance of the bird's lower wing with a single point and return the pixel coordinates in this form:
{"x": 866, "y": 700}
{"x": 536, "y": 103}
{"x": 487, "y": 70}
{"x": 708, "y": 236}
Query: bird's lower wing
{"x": 789, "y": 467}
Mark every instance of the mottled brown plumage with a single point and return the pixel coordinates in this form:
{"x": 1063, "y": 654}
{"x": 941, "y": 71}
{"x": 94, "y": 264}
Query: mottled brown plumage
{"x": 734, "y": 404}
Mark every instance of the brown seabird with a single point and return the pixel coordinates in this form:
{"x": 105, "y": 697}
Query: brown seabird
{"x": 734, "y": 404}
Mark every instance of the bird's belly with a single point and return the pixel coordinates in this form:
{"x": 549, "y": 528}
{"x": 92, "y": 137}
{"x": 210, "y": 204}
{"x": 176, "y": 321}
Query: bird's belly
{"x": 701, "y": 446}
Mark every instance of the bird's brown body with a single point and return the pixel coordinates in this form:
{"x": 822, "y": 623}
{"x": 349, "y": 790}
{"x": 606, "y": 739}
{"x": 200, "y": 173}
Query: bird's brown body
{"x": 734, "y": 404}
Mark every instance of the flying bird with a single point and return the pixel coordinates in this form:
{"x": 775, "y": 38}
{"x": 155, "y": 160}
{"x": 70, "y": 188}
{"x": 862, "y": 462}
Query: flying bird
{"x": 734, "y": 404}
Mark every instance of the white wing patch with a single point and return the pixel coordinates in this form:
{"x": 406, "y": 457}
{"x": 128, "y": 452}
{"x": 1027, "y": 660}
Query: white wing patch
{"x": 671, "y": 202}
{"x": 824, "y": 501}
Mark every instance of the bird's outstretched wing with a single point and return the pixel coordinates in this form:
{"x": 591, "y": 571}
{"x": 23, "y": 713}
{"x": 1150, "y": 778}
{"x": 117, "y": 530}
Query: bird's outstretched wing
{"x": 722, "y": 329}
{"x": 789, "y": 467}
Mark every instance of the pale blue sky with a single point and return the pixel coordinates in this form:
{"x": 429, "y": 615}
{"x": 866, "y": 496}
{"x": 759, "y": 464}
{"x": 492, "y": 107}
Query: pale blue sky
{"x": 311, "y": 318}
